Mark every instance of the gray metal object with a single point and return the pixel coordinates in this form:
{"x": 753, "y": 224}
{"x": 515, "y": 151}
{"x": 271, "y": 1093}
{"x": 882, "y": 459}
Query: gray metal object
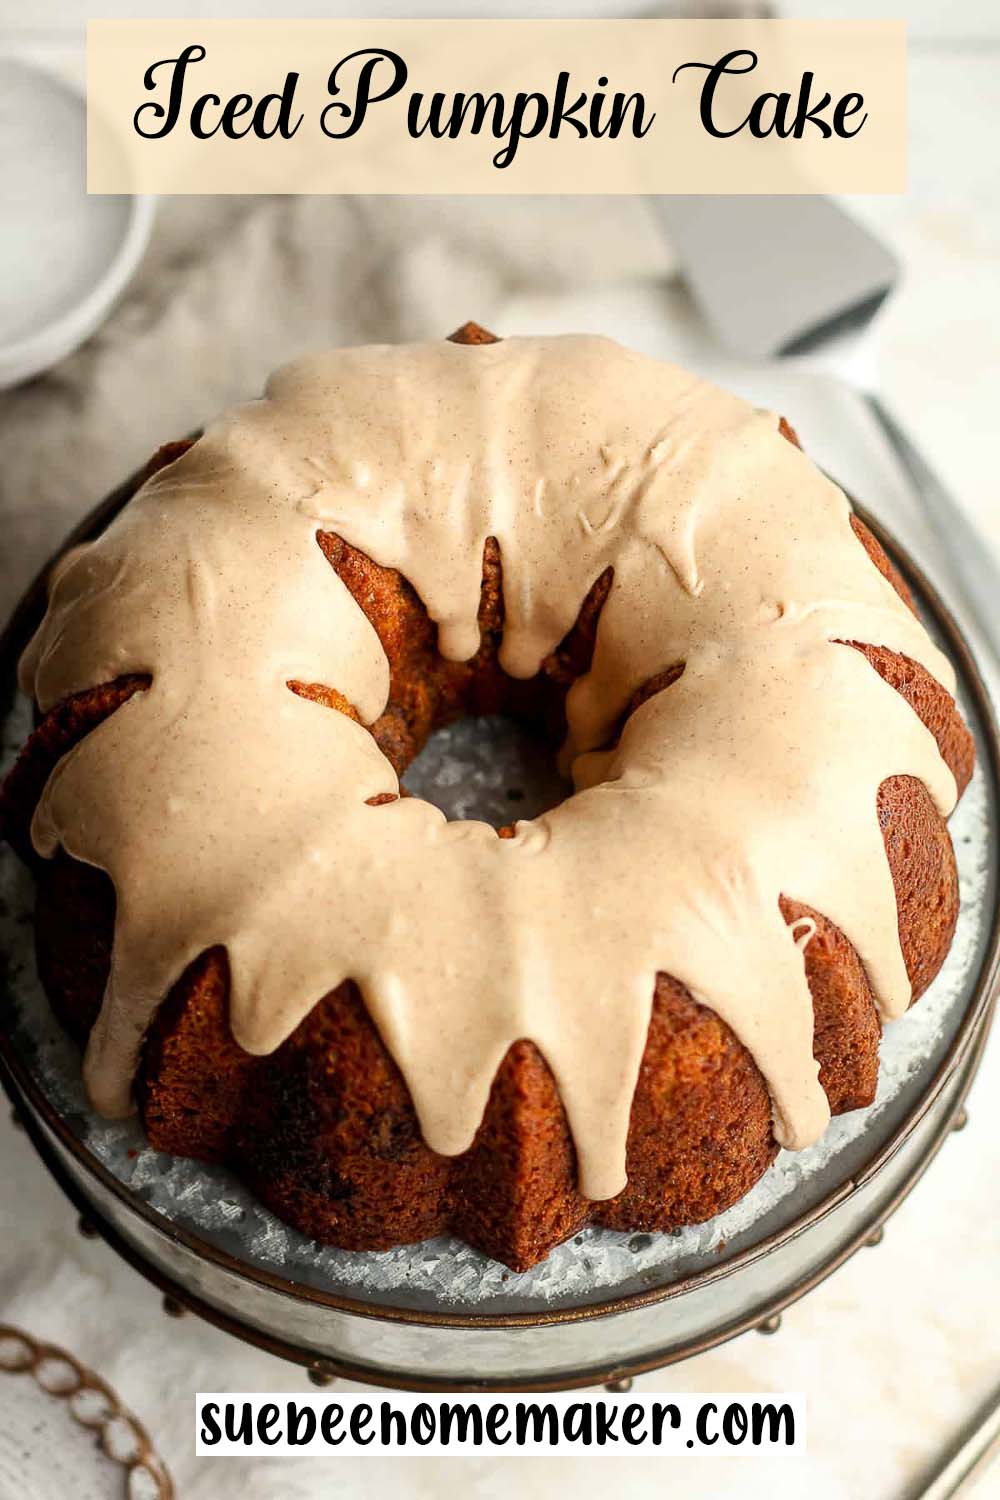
{"x": 776, "y": 275}
{"x": 976, "y": 1449}
{"x": 600, "y": 1309}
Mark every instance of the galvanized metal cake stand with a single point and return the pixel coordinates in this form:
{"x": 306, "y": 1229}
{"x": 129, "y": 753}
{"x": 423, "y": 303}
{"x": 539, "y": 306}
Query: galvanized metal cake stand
{"x": 604, "y": 1307}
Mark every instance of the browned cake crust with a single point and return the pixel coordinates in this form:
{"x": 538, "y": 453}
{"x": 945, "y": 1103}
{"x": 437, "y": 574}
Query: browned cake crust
{"x": 324, "y": 1130}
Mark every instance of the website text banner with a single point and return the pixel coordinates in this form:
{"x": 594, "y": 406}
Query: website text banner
{"x": 252, "y": 1424}
{"x": 371, "y": 106}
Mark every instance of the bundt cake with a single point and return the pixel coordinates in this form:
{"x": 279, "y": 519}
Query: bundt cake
{"x": 392, "y": 1025}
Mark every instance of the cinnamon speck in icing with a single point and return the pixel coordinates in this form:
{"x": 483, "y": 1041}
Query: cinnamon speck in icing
{"x": 229, "y": 811}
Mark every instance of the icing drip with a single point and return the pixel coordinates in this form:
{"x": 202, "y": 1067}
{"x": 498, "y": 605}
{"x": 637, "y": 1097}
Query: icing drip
{"x": 229, "y": 811}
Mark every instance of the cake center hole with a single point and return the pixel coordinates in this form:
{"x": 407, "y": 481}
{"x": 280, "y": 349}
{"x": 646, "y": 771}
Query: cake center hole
{"x": 491, "y": 769}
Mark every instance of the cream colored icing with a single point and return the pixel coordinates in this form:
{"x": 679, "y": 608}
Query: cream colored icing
{"x": 229, "y": 811}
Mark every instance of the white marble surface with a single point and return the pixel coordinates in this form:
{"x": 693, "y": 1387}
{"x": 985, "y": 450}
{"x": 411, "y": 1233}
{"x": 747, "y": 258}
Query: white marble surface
{"x": 897, "y": 1348}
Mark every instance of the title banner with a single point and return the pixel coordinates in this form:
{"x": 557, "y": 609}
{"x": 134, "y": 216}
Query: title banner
{"x": 734, "y": 106}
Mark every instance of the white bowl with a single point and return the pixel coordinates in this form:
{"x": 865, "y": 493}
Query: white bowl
{"x": 64, "y": 257}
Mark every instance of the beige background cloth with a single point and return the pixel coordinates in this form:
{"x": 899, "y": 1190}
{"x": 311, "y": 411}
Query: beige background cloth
{"x": 232, "y": 287}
